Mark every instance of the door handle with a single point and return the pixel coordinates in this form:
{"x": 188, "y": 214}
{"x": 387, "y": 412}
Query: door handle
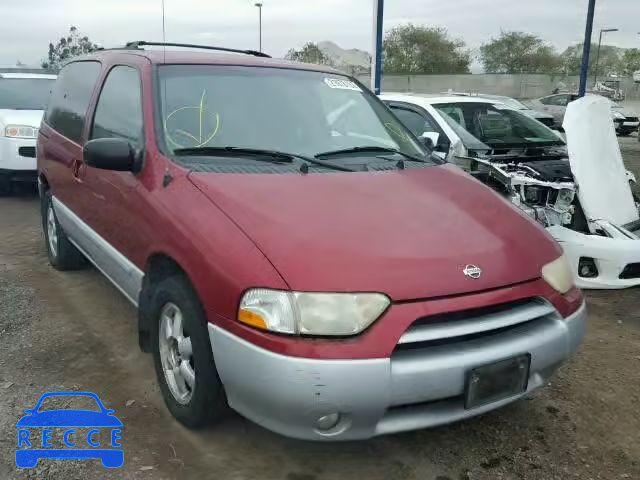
{"x": 77, "y": 169}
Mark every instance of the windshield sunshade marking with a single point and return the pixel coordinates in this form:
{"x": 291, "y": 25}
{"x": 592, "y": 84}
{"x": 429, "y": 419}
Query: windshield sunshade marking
{"x": 202, "y": 111}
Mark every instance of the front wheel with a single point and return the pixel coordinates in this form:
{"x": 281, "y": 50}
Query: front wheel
{"x": 63, "y": 255}
{"x": 182, "y": 354}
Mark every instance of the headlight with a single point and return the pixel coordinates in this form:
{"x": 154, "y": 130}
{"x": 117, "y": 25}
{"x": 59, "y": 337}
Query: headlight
{"x": 618, "y": 115}
{"x": 558, "y": 274}
{"x": 564, "y": 199}
{"x": 311, "y": 313}
{"x": 20, "y": 131}
{"x": 532, "y": 194}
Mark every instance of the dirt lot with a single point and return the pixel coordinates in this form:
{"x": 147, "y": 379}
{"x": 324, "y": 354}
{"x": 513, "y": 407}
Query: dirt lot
{"x": 74, "y": 331}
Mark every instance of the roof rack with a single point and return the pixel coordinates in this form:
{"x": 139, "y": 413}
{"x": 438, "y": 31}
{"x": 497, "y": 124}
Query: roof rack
{"x": 141, "y": 43}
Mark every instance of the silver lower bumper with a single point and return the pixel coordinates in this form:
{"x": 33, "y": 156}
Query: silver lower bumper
{"x": 411, "y": 390}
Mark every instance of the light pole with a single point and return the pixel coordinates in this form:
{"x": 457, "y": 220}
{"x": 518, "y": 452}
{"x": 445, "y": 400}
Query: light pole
{"x": 376, "y": 58}
{"x": 602, "y": 30}
{"x": 259, "y": 5}
{"x": 586, "y": 47}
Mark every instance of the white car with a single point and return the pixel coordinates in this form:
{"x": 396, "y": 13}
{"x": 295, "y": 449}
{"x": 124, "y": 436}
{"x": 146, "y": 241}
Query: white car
{"x": 23, "y": 98}
{"x": 529, "y": 164}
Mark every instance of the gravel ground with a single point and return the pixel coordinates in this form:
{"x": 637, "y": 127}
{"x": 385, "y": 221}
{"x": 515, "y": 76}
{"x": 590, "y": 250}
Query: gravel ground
{"x": 73, "y": 331}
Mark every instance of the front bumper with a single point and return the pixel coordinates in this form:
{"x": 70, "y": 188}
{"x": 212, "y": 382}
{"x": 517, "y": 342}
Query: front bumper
{"x": 610, "y": 254}
{"x": 17, "y": 155}
{"x": 414, "y": 389}
{"x": 624, "y": 127}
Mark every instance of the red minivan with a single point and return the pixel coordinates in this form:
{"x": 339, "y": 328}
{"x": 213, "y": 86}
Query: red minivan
{"x": 294, "y": 252}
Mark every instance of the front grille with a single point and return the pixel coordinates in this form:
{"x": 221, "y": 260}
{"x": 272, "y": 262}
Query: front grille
{"x": 631, "y": 271}
{"x": 29, "y": 152}
{"x": 631, "y": 119}
{"x": 467, "y": 325}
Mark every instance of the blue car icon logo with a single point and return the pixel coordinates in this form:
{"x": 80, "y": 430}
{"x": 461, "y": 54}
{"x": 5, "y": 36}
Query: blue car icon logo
{"x": 31, "y": 448}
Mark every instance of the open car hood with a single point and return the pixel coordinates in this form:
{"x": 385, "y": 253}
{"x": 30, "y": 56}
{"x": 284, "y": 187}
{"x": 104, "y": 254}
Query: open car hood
{"x": 596, "y": 162}
{"x": 407, "y": 233}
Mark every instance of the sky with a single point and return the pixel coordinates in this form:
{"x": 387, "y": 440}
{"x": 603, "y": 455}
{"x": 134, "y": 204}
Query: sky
{"x": 27, "y": 28}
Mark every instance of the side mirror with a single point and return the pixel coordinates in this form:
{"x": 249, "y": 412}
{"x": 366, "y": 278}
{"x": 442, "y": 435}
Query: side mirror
{"x": 430, "y": 139}
{"x": 110, "y": 154}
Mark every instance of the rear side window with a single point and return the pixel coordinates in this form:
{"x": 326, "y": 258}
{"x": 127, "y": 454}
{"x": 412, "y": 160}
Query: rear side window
{"x": 70, "y": 98}
{"x": 119, "y": 109}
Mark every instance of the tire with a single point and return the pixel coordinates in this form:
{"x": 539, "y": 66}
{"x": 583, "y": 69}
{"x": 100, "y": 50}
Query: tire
{"x": 63, "y": 255}
{"x": 5, "y": 186}
{"x": 204, "y": 402}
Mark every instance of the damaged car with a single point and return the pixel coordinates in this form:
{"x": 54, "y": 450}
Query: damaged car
{"x": 528, "y": 163}
{"x": 624, "y": 121}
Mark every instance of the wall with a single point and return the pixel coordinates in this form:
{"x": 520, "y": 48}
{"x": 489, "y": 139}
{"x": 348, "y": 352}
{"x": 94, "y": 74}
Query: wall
{"x": 517, "y": 86}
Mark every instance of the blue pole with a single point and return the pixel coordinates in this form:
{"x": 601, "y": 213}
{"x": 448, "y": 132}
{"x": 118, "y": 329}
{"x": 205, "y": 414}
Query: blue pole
{"x": 377, "y": 54}
{"x": 584, "y": 70}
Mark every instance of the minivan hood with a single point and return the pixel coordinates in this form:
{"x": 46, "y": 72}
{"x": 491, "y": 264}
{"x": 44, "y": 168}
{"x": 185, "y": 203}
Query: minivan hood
{"x": 29, "y": 118}
{"x": 406, "y": 233}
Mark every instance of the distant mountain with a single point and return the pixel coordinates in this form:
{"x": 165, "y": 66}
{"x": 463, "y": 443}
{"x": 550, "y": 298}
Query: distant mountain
{"x": 351, "y": 60}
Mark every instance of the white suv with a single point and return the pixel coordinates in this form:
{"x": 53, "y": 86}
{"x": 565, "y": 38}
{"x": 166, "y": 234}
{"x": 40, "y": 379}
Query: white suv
{"x": 23, "y": 98}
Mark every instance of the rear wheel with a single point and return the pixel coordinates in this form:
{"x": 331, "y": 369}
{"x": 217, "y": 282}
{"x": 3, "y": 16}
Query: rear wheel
{"x": 182, "y": 354}
{"x": 63, "y": 255}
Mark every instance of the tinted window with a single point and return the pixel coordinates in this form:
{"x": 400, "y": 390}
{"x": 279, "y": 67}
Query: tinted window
{"x": 415, "y": 122}
{"x": 70, "y": 98}
{"x": 25, "y": 93}
{"x": 119, "y": 110}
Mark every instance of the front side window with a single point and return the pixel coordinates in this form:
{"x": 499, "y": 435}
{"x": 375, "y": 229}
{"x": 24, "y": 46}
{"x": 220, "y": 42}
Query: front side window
{"x": 418, "y": 124}
{"x": 119, "y": 109}
{"x": 70, "y": 98}
{"x": 25, "y": 93}
{"x": 454, "y": 112}
{"x": 293, "y": 111}
{"x": 499, "y": 126}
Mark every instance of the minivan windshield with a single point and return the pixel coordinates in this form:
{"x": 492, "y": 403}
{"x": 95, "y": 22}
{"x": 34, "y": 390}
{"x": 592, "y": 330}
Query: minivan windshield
{"x": 25, "y": 93}
{"x": 498, "y": 125}
{"x": 286, "y": 110}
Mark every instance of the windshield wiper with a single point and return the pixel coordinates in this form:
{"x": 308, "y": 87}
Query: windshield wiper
{"x": 282, "y": 157}
{"x": 373, "y": 149}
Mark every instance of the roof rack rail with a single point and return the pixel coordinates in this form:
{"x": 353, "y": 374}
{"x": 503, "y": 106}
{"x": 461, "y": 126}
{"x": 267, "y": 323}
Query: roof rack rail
{"x": 142, "y": 43}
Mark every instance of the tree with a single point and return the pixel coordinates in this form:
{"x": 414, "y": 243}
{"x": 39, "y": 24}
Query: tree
{"x": 609, "y": 61}
{"x": 630, "y": 61}
{"x": 309, "y": 53}
{"x": 518, "y": 52}
{"x": 68, "y": 47}
{"x": 418, "y": 49}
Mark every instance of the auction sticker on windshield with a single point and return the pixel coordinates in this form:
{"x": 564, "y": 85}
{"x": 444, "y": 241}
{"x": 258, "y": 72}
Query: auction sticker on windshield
{"x": 342, "y": 84}
{"x": 48, "y": 431}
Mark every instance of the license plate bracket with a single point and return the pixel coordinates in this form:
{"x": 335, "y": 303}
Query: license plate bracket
{"x": 496, "y": 381}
